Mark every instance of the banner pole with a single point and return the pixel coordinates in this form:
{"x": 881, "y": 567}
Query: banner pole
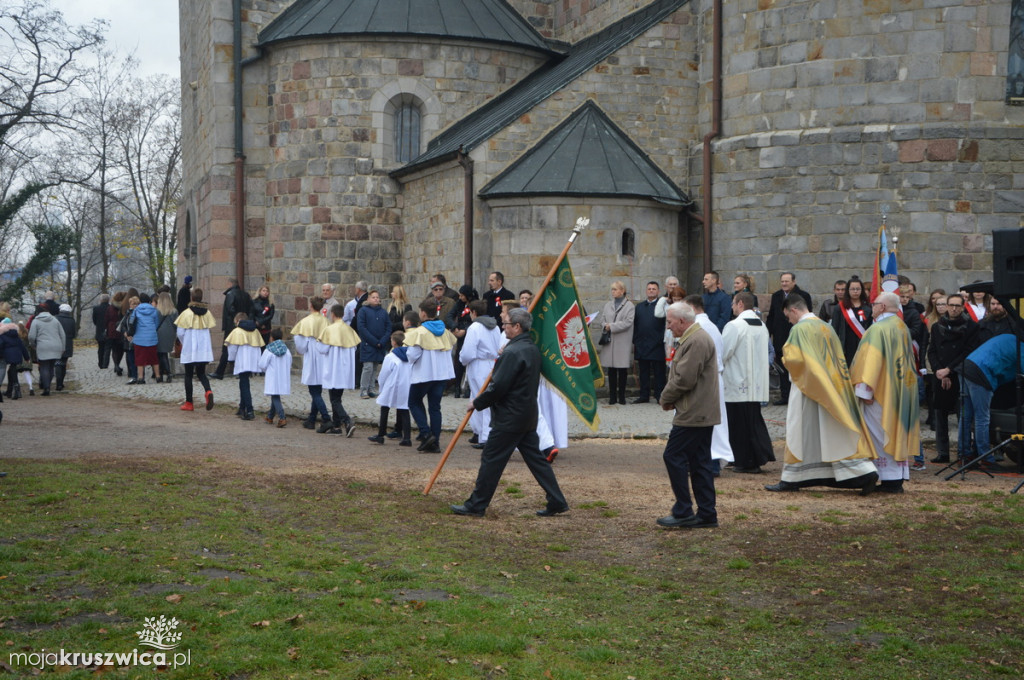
{"x": 581, "y": 224}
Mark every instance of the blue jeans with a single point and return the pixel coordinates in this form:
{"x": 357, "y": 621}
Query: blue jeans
{"x": 432, "y": 390}
{"x": 244, "y": 393}
{"x": 317, "y": 405}
{"x": 276, "y": 407}
{"x": 977, "y": 411}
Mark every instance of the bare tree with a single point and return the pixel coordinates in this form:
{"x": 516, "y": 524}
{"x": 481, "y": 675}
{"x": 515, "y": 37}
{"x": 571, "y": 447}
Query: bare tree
{"x": 149, "y": 135}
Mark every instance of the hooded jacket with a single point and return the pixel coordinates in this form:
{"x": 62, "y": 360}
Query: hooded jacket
{"x": 12, "y": 349}
{"x": 146, "y": 320}
{"x": 67, "y": 322}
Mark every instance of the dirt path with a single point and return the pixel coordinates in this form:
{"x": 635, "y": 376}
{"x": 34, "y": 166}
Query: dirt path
{"x": 627, "y": 475}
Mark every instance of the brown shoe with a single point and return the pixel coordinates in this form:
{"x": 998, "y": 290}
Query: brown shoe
{"x": 283, "y": 422}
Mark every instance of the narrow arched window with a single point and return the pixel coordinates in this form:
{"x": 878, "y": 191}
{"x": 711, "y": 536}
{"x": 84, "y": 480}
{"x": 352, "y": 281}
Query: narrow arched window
{"x": 628, "y": 243}
{"x": 407, "y": 132}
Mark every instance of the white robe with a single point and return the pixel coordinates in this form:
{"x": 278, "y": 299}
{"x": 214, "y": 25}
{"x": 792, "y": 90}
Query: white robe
{"x": 745, "y": 360}
{"x": 246, "y": 358}
{"x": 394, "y": 379}
{"x": 196, "y": 347}
{"x": 555, "y": 413}
{"x": 312, "y": 359}
{"x": 277, "y": 373}
{"x": 338, "y": 367}
{"x": 888, "y": 467}
{"x": 432, "y": 364}
{"x": 479, "y": 351}
{"x": 721, "y": 449}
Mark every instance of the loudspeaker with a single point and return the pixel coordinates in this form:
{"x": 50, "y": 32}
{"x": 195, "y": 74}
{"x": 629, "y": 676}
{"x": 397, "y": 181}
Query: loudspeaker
{"x": 1008, "y": 262}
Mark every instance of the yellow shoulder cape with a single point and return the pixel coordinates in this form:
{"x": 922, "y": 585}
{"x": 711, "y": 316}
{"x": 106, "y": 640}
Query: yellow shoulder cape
{"x": 421, "y": 337}
{"x": 814, "y": 358}
{"x": 885, "y": 363}
{"x": 240, "y": 337}
{"x": 190, "y": 320}
{"x": 339, "y": 334}
{"x": 312, "y": 326}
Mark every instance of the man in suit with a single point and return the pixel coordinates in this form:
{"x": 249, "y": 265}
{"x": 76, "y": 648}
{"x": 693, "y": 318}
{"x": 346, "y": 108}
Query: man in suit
{"x": 99, "y": 320}
{"x": 649, "y": 346}
{"x": 779, "y": 326}
{"x": 496, "y": 294}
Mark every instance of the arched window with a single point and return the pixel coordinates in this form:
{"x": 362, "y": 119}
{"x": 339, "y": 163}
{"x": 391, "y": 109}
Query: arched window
{"x": 628, "y": 243}
{"x": 407, "y": 131}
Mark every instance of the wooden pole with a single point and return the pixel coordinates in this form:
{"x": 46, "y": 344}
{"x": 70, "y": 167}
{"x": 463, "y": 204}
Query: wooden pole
{"x": 581, "y": 223}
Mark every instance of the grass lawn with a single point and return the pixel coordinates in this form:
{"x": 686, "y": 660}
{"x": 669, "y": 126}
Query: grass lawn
{"x": 314, "y": 576}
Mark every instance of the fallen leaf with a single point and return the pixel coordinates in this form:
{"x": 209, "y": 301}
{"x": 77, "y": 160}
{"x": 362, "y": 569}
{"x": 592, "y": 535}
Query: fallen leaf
{"x": 175, "y": 598}
{"x": 547, "y": 568}
{"x": 295, "y": 620}
{"x": 261, "y": 624}
{"x": 293, "y": 653}
{"x": 230, "y": 611}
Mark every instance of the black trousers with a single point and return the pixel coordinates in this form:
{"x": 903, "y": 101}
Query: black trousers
{"x": 116, "y": 352}
{"x": 617, "y": 385}
{"x": 340, "y": 415}
{"x": 223, "y": 363}
{"x": 647, "y": 368}
{"x": 784, "y": 384}
{"x": 401, "y": 422}
{"x": 494, "y": 458}
{"x": 688, "y": 460}
{"x": 199, "y": 369}
{"x": 103, "y": 353}
{"x": 46, "y": 367}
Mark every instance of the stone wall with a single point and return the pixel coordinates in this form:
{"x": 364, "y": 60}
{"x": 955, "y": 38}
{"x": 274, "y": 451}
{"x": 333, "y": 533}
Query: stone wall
{"x": 572, "y": 20}
{"x": 837, "y": 112}
{"x": 434, "y": 225}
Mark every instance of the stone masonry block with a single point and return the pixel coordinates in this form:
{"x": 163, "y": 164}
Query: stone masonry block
{"x": 942, "y": 150}
{"x": 912, "y": 151}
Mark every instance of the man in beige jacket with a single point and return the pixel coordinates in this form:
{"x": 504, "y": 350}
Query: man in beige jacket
{"x": 692, "y": 391}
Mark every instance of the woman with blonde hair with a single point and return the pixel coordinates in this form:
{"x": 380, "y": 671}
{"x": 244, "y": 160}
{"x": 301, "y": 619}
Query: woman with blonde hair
{"x": 166, "y": 334}
{"x": 616, "y": 326}
{"x": 398, "y": 307}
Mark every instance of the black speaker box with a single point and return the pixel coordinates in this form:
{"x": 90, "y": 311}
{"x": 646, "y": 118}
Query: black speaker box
{"x": 1008, "y": 262}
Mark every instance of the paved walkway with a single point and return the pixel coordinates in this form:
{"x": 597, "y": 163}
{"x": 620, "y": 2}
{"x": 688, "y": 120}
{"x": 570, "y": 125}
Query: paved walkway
{"x": 630, "y": 421}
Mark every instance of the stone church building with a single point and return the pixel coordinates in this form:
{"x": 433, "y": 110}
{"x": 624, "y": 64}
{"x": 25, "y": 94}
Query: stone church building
{"x": 386, "y": 140}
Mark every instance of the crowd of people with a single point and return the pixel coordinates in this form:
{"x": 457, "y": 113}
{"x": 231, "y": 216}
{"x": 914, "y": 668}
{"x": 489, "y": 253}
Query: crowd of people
{"x": 862, "y": 369}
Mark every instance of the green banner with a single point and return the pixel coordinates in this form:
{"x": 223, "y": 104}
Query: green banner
{"x": 560, "y": 331}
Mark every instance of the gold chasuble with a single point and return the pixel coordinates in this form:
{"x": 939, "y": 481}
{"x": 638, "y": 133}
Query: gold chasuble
{"x": 421, "y": 337}
{"x": 192, "y": 321}
{"x": 240, "y": 337}
{"x": 312, "y": 326}
{"x": 824, "y": 422}
{"x": 885, "y": 363}
{"x": 339, "y": 334}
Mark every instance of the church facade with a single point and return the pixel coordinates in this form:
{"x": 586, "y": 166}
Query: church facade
{"x": 387, "y": 140}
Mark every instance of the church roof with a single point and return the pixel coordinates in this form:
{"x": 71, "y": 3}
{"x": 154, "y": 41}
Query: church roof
{"x": 507, "y": 107}
{"x": 484, "y": 20}
{"x": 586, "y": 155}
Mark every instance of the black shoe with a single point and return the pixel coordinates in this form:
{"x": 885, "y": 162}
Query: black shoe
{"x": 747, "y": 470}
{"x": 641, "y": 400}
{"x": 348, "y": 429}
{"x": 940, "y": 459}
{"x": 551, "y": 512}
{"x": 376, "y": 439}
{"x": 889, "y": 489}
{"x": 326, "y": 427}
{"x": 394, "y": 434}
{"x": 60, "y": 388}
{"x": 421, "y": 437}
{"x": 474, "y": 439}
{"x": 46, "y": 393}
{"x": 133, "y": 381}
{"x": 249, "y": 415}
{"x": 691, "y": 522}
{"x": 216, "y": 376}
{"x": 781, "y": 486}
{"x": 463, "y": 510}
{"x": 869, "y": 486}
{"x": 780, "y": 402}
{"x": 309, "y": 424}
{"x": 119, "y": 372}
{"x": 432, "y": 447}
{"x": 427, "y": 441}
{"x": 477, "y": 446}
{"x": 405, "y": 442}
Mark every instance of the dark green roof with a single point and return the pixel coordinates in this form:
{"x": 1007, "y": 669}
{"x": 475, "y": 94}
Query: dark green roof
{"x": 504, "y": 109}
{"x": 586, "y": 155}
{"x": 491, "y": 21}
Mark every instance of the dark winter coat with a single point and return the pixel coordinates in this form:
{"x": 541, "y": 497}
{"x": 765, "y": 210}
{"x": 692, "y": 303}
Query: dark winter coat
{"x": 951, "y": 341}
{"x": 263, "y": 315}
{"x": 374, "y": 328}
{"x": 513, "y": 387}
{"x": 236, "y": 301}
{"x": 166, "y": 333}
{"x": 778, "y": 324}
{"x": 99, "y": 320}
{"x": 67, "y": 322}
{"x": 648, "y": 332}
{"x": 12, "y": 349}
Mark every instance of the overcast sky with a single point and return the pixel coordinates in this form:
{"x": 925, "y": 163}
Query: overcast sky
{"x": 147, "y": 27}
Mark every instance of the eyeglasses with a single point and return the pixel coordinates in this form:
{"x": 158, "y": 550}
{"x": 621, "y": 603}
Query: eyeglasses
{"x": 949, "y": 304}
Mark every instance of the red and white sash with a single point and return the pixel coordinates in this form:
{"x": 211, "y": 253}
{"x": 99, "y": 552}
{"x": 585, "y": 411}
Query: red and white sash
{"x": 850, "y": 316}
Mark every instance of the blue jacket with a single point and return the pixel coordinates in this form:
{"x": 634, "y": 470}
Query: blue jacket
{"x": 995, "y": 361}
{"x": 12, "y": 349}
{"x": 374, "y": 328}
{"x": 146, "y": 319}
{"x": 718, "y": 307}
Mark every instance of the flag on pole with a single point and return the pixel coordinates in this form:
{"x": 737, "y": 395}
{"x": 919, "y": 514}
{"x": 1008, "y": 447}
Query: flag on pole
{"x": 886, "y": 275}
{"x": 570, "y": 361}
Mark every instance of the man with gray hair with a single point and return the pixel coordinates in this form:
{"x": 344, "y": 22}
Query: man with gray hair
{"x": 884, "y": 376}
{"x": 692, "y": 392}
{"x": 671, "y": 283}
{"x": 512, "y": 398}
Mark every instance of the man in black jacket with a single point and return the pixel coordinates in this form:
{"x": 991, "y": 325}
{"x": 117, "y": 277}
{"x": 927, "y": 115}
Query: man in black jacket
{"x": 512, "y": 398}
{"x": 778, "y": 326}
{"x": 184, "y": 295}
{"x": 953, "y": 337}
{"x": 495, "y": 294}
{"x": 649, "y": 345}
{"x": 236, "y": 301}
{"x": 99, "y": 320}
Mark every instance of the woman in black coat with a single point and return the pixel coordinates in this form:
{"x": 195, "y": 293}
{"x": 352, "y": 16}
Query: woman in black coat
{"x": 852, "y": 317}
{"x": 263, "y": 313}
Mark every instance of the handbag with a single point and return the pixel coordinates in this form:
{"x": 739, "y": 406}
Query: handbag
{"x": 606, "y": 338}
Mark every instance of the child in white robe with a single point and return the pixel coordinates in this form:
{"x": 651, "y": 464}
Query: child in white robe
{"x": 276, "y": 366}
{"x": 337, "y": 346}
{"x": 244, "y": 344}
{"x": 394, "y": 380}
